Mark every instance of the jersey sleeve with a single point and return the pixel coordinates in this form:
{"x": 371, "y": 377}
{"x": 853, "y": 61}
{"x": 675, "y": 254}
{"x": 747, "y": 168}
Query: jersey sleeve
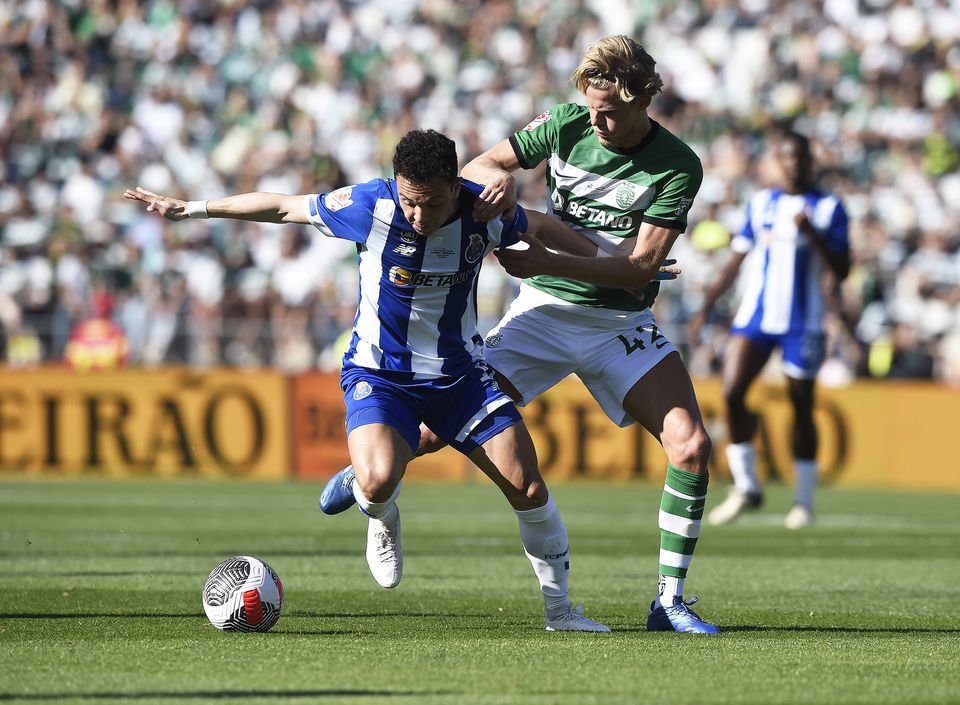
{"x": 346, "y": 213}
{"x": 837, "y": 233}
{"x": 511, "y": 229}
{"x": 669, "y": 209}
{"x": 743, "y": 241}
{"x": 538, "y": 139}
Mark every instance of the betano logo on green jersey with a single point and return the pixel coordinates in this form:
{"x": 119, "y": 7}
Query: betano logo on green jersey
{"x": 597, "y": 217}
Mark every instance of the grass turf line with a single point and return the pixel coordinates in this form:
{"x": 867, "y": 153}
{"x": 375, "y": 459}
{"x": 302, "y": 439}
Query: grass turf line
{"x": 101, "y": 581}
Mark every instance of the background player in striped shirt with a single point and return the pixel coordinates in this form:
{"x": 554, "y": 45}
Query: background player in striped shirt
{"x": 793, "y": 235}
{"x": 415, "y": 352}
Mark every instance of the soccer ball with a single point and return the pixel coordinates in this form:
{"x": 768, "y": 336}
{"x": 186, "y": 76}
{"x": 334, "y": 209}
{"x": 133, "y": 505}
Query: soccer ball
{"x": 243, "y": 594}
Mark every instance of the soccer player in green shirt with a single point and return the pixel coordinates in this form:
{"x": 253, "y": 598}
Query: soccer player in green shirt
{"x": 625, "y": 183}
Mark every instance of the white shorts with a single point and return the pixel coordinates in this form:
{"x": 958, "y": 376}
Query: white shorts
{"x": 538, "y": 342}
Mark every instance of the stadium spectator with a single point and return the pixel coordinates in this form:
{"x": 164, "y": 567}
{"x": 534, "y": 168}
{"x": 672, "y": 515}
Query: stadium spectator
{"x": 103, "y": 93}
{"x": 794, "y": 243}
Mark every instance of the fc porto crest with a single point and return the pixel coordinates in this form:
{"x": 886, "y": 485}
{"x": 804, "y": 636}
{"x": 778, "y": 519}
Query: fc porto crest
{"x": 362, "y": 391}
{"x": 474, "y": 249}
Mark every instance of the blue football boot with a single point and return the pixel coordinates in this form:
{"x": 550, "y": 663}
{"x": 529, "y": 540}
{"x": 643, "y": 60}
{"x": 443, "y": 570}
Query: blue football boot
{"x": 337, "y": 495}
{"x": 678, "y": 618}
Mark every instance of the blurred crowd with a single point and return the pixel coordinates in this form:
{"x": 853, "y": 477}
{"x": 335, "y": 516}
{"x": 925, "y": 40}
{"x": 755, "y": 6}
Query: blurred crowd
{"x": 203, "y": 98}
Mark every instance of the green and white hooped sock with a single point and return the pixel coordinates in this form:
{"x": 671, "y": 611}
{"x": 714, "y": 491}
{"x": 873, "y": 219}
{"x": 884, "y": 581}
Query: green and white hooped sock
{"x": 681, "y": 507}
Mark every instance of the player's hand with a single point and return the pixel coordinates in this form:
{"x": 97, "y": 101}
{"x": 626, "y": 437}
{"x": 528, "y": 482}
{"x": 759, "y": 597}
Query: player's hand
{"x": 527, "y": 262}
{"x": 169, "y": 208}
{"x": 668, "y": 271}
{"x": 802, "y": 219}
{"x": 694, "y": 327}
{"x": 499, "y": 195}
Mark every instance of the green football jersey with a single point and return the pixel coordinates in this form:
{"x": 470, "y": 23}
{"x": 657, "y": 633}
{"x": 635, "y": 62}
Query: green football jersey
{"x": 606, "y": 194}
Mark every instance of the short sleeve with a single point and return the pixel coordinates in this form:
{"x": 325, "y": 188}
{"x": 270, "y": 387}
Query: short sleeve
{"x": 346, "y": 213}
{"x": 510, "y": 234}
{"x": 744, "y": 240}
{"x": 538, "y": 139}
{"x": 837, "y": 234}
{"x": 669, "y": 209}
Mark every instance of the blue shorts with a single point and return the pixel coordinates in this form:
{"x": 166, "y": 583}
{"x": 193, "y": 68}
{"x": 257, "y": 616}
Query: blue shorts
{"x": 465, "y": 412}
{"x": 802, "y": 352}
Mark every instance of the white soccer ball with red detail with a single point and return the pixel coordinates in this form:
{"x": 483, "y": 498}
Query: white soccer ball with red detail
{"x": 243, "y": 594}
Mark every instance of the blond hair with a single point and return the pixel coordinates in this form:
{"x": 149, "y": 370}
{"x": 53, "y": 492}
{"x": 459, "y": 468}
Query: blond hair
{"x": 618, "y": 61}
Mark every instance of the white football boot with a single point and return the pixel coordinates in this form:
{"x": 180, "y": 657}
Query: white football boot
{"x": 800, "y": 516}
{"x": 571, "y": 619}
{"x": 733, "y": 506}
{"x": 383, "y": 549}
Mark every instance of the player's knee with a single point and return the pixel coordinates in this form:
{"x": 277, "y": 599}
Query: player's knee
{"x": 376, "y": 481}
{"x": 526, "y": 494}
{"x": 692, "y": 451}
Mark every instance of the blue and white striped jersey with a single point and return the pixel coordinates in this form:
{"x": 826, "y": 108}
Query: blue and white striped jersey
{"x": 417, "y": 311}
{"x": 780, "y": 282}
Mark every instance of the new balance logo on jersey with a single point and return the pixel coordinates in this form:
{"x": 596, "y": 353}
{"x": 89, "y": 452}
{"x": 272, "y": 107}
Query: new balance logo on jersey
{"x": 405, "y": 250}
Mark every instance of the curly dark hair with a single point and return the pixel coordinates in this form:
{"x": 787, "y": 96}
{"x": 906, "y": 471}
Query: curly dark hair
{"x": 423, "y": 155}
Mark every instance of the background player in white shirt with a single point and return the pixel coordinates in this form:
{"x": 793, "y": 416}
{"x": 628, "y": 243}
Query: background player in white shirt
{"x": 793, "y": 236}
{"x": 415, "y": 352}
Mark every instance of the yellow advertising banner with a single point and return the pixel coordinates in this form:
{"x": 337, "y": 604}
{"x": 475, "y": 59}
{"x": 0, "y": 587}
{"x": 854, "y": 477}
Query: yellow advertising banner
{"x": 319, "y": 436}
{"x": 164, "y": 423}
{"x": 875, "y": 434}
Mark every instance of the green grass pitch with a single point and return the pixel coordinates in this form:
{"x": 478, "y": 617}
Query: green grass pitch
{"x": 100, "y": 585}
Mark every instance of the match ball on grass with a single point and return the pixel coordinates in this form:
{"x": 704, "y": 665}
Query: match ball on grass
{"x": 243, "y": 594}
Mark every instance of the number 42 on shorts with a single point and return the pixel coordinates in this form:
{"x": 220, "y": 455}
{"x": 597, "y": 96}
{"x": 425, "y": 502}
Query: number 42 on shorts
{"x": 632, "y": 343}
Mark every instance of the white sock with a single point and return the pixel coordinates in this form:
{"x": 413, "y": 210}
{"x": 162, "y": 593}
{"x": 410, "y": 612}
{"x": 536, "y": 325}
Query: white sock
{"x": 742, "y": 459}
{"x": 669, "y": 588}
{"x": 806, "y": 477}
{"x": 377, "y": 510}
{"x": 544, "y": 539}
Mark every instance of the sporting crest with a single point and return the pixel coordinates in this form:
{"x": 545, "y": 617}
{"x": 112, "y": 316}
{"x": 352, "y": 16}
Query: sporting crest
{"x": 362, "y": 391}
{"x": 626, "y": 195}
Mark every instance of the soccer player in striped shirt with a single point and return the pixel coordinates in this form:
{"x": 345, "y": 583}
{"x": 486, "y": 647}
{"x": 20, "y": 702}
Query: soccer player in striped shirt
{"x": 415, "y": 352}
{"x": 625, "y": 183}
{"x": 792, "y": 236}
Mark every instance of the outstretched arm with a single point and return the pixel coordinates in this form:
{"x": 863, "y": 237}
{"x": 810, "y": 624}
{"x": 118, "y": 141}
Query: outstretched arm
{"x": 257, "y": 206}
